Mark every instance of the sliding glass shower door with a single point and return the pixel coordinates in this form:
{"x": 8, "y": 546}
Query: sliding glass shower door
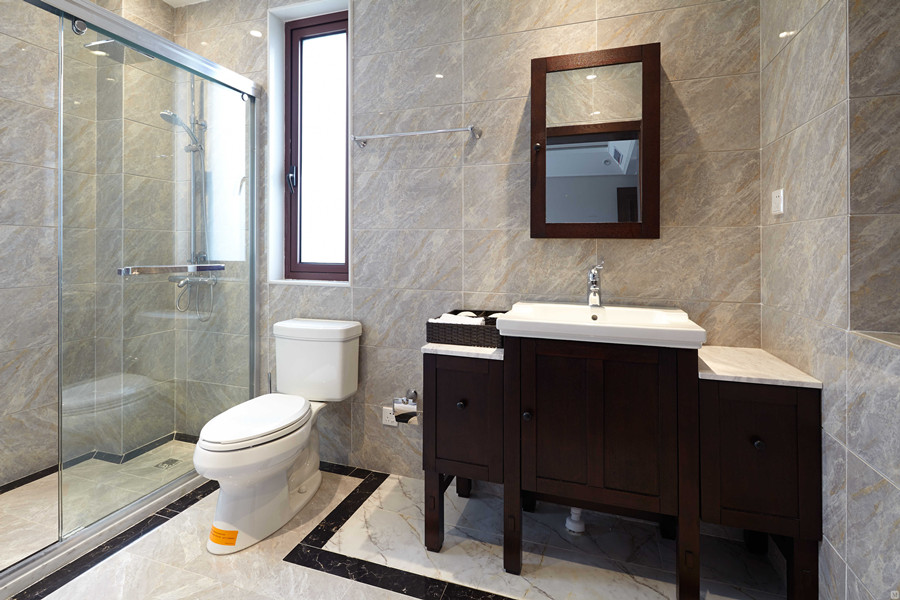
{"x": 156, "y": 268}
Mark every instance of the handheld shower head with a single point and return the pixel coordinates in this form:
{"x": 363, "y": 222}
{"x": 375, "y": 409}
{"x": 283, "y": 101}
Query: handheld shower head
{"x": 170, "y": 117}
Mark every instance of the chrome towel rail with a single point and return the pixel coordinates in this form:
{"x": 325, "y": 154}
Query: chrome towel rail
{"x": 158, "y": 269}
{"x": 361, "y": 140}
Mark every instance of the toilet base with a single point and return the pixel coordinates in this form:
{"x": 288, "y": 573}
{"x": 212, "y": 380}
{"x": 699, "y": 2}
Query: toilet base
{"x": 242, "y": 520}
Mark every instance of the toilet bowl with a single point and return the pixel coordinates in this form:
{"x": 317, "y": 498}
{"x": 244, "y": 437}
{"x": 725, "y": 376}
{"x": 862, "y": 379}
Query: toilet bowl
{"x": 265, "y": 452}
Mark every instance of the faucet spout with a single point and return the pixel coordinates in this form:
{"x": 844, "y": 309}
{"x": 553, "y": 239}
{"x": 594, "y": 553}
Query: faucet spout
{"x": 594, "y": 297}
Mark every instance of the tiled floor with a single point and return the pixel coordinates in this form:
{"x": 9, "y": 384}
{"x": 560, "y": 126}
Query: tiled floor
{"x": 91, "y": 490}
{"x": 381, "y": 542}
{"x": 95, "y": 488}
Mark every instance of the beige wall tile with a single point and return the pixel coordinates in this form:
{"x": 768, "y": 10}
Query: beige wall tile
{"x": 394, "y": 317}
{"x": 874, "y": 48}
{"x": 29, "y": 378}
{"x": 415, "y": 152}
{"x": 413, "y": 76}
{"x": 29, "y": 134}
{"x": 809, "y": 76}
{"x": 429, "y": 259}
{"x": 716, "y": 189}
{"x": 816, "y": 349}
{"x": 697, "y": 41}
{"x": 778, "y": 19}
{"x": 497, "y": 196}
{"x": 874, "y": 155}
{"x": 28, "y": 72}
{"x": 500, "y": 67}
{"x": 834, "y": 493}
{"x": 483, "y": 18}
{"x": 873, "y": 539}
{"x": 512, "y": 262}
{"x": 391, "y": 25}
{"x": 875, "y": 273}
{"x": 805, "y": 269}
{"x": 28, "y": 195}
{"x": 27, "y": 22}
{"x": 810, "y": 165}
{"x": 409, "y": 199}
{"x": 614, "y": 8}
{"x": 232, "y": 45}
{"x": 706, "y": 115}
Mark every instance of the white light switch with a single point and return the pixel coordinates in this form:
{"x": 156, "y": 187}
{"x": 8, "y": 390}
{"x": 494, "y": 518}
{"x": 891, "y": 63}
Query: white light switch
{"x": 778, "y": 202}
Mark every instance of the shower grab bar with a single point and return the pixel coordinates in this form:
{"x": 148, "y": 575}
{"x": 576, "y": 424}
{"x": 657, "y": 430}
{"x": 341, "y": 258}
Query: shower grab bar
{"x": 162, "y": 269}
{"x": 362, "y": 139}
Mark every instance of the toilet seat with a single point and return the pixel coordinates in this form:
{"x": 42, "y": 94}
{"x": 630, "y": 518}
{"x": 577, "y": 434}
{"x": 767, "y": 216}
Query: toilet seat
{"x": 254, "y": 422}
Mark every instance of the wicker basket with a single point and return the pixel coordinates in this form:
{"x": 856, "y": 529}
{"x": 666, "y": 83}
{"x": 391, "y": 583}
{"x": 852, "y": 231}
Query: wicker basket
{"x": 485, "y": 336}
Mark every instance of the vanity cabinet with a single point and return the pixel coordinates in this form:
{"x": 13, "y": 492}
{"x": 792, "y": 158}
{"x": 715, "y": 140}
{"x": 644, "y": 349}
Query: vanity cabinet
{"x": 599, "y": 423}
{"x": 760, "y": 465}
{"x": 608, "y": 427}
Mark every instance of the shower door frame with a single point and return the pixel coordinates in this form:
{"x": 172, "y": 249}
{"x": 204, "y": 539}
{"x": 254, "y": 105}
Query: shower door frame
{"x": 24, "y": 573}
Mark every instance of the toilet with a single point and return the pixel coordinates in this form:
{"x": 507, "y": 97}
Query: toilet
{"x": 265, "y": 452}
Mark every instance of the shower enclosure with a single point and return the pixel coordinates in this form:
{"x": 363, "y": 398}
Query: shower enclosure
{"x": 133, "y": 160}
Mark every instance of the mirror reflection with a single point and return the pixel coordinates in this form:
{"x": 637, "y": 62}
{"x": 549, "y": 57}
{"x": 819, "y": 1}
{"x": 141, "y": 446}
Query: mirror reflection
{"x": 593, "y": 178}
{"x": 594, "y": 95}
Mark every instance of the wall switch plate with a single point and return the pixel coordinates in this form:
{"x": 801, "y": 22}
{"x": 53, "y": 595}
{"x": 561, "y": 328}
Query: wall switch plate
{"x": 778, "y": 202}
{"x": 387, "y": 417}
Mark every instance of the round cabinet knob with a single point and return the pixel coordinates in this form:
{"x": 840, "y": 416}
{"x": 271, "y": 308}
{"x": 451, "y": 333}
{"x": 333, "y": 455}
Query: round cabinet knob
{"x": 759, "y": 444}
{"x": 526, "y": 416}
{"x": 537, "y": 147}
{"x": 461, "y": 404}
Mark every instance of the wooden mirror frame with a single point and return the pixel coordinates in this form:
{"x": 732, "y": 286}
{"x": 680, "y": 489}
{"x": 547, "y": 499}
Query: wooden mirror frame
{"x": 648, "y": 136}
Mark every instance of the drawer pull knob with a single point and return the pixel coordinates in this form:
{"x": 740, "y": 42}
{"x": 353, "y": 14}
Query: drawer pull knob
{"x": 461, "y": 404}
{"x": 759, "y": 444}
{"x": 526, "y": 416}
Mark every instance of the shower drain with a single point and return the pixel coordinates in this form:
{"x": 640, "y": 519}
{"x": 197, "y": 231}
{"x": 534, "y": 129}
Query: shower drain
{"x": 168, "y": 464}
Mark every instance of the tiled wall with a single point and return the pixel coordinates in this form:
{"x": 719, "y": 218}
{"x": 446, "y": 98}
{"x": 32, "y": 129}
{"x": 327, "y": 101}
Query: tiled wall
{"x": 28, "y": 233}
{"x": 829, "y": 264}
{"x": 441, "y": 222}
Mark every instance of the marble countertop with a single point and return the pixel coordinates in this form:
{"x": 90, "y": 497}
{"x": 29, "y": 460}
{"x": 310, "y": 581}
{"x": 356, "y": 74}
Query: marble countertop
{"x": 750, "y": 365}
{"x": 464, "y": 351}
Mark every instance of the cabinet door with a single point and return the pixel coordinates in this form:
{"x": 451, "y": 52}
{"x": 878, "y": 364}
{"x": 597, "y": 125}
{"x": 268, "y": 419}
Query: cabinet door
{"x": 599, "y": 423}
{"x": 463, "y": 414}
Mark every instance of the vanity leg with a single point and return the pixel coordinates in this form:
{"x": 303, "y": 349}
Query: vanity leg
{"x": 802, "y": 557}
{"x": 434, "y": 511}
{"x": 668, "y": 528}
{"x": 687, "y": 541}
{"x": 463, "y": 487}
{"x": 512, "y": 529}
{"x": 529, "y": 503}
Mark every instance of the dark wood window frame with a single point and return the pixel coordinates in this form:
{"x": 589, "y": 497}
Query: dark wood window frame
{"x": 294, "y": 268}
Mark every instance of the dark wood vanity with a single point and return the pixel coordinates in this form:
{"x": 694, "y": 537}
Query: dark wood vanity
{"x": 627, "y": 430}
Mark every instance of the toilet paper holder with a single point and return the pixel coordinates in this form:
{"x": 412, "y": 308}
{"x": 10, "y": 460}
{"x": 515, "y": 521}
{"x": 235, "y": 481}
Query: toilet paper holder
{"x": 405, "y": 408}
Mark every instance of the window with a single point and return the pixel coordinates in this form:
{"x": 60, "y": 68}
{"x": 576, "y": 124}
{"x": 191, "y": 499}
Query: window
{"x": 316, "y": 148}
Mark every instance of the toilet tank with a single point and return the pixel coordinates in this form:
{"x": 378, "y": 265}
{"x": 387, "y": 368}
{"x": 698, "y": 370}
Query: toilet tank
{"x": 317, "y": 358}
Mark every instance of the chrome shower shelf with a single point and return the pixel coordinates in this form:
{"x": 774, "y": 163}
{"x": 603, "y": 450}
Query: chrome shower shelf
{"x": 162, "y": 269}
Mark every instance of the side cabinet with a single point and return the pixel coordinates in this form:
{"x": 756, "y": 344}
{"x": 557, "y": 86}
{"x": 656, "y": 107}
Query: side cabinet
{"x": 761, "y": 469}
{"x": 463, "y": 431}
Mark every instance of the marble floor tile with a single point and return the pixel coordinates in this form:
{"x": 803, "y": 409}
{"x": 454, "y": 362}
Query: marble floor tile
{"x": 615, "y": 558}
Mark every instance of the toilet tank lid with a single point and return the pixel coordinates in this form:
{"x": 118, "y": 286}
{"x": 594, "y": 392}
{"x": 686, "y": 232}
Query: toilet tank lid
{"x": 318, "y": 329}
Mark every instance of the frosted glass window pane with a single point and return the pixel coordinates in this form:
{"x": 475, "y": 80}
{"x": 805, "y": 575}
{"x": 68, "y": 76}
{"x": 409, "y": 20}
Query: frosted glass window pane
{"x": 323, "y": 139}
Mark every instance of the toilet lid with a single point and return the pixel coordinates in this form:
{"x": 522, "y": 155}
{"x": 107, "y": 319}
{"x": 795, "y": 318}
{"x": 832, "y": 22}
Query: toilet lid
{"x": 255, "y": 422}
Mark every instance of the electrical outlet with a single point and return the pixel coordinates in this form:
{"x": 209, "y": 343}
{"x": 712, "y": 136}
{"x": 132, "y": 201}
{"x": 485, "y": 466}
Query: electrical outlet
{"x": 387, "y": 417}
{"x": 778, "y": 202}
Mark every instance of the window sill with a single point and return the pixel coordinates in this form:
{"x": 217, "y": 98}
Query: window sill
{"x": 310, "y": 282}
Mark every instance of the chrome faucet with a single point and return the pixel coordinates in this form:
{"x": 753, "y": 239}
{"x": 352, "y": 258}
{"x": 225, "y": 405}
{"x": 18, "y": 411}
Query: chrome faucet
{"x": 594, "y": 285}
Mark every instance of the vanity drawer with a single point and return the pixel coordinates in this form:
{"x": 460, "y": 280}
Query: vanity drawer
{"x": 760, "y": 463}
{"x": 462, "y": 413}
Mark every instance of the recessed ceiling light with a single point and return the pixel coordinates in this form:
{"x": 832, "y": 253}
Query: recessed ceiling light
{"x": 255, "y": 33}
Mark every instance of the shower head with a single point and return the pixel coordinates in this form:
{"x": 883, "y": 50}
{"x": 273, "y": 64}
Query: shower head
{"x": 169, "y": 117}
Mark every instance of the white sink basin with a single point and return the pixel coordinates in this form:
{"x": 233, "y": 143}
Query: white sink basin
{"x": 665, "y": 327}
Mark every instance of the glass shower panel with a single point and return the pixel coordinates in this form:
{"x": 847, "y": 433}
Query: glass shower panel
{"x": 150, "y": 354}
{"x": 29, "y": 114}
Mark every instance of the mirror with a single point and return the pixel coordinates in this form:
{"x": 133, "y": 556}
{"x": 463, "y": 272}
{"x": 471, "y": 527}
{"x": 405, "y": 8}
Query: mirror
{"x": 595, "y": 144}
